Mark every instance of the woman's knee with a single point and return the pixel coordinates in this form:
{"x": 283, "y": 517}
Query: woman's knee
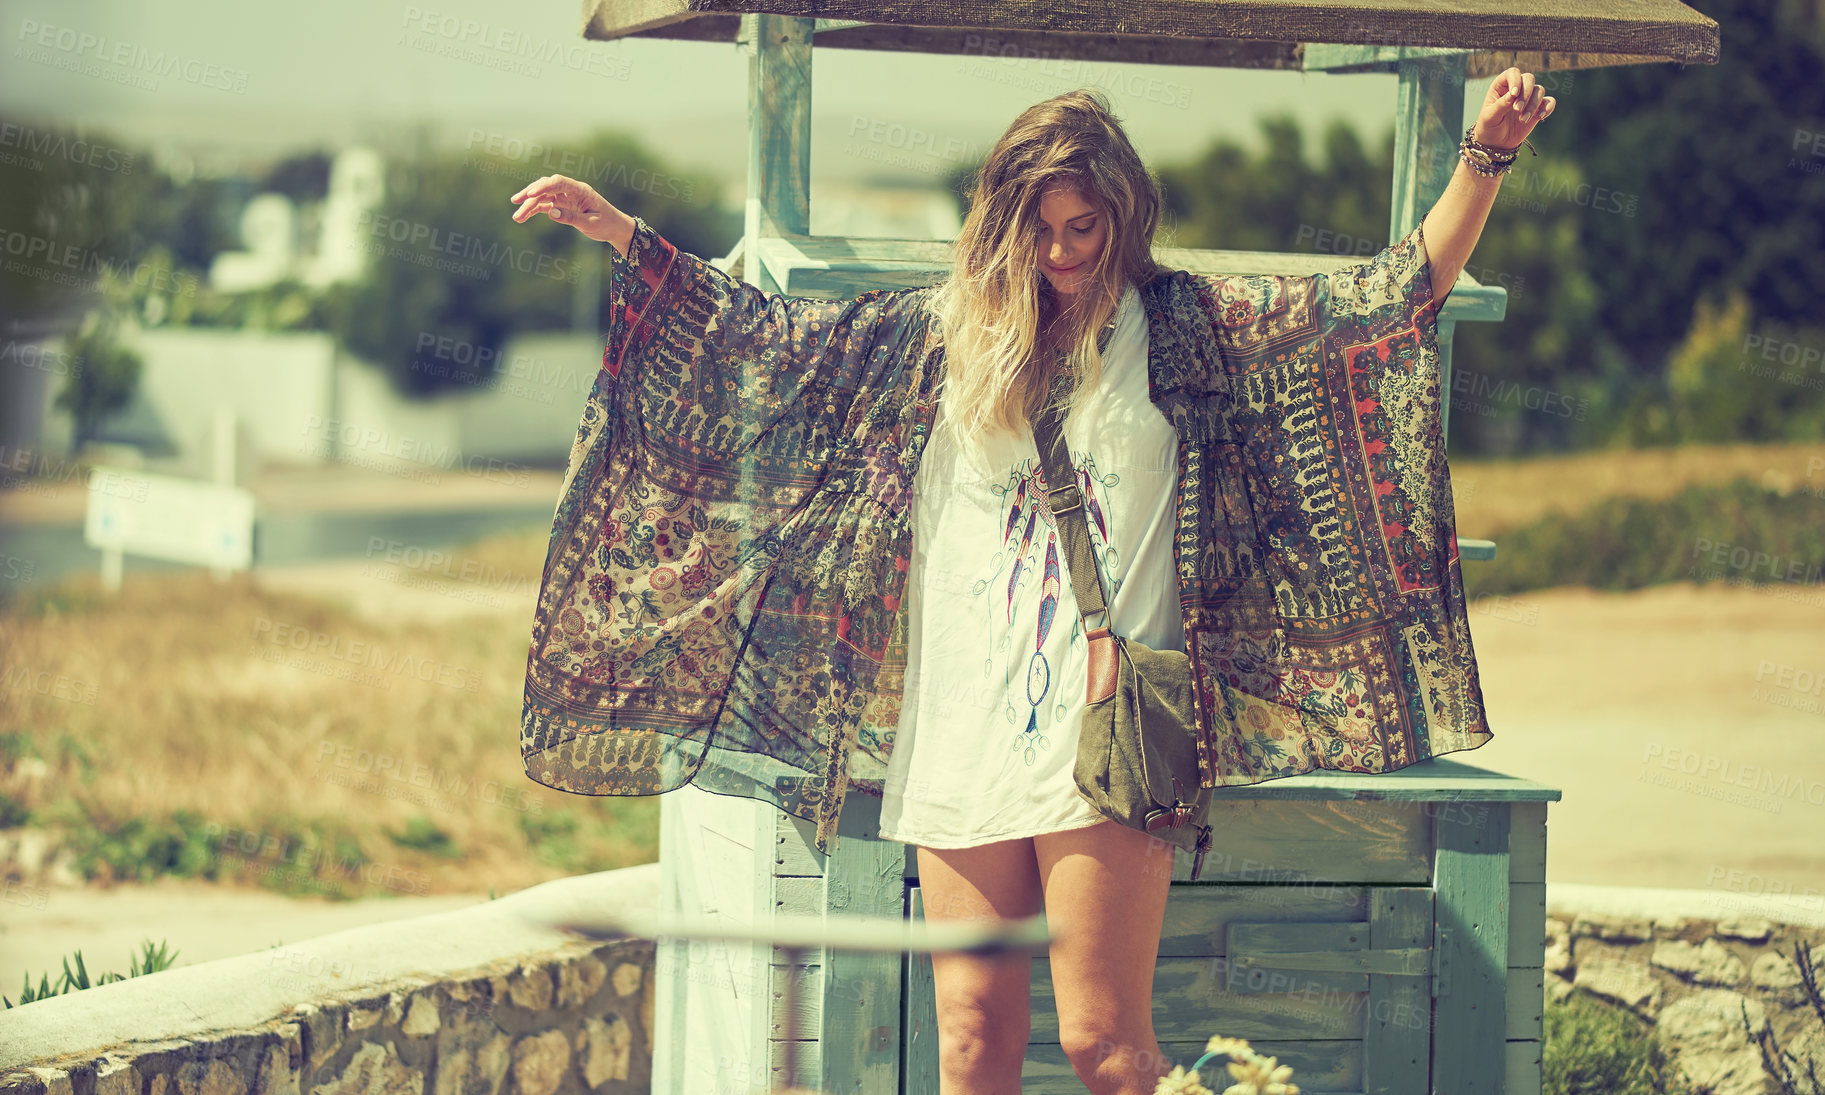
{"x": 1094, "y": 1049}
{"x": 983, "y": 1035}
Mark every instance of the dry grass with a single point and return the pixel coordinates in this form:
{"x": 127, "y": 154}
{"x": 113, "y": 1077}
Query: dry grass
{"x": 173, "y": 696}
{"x": 1494, "y": 496}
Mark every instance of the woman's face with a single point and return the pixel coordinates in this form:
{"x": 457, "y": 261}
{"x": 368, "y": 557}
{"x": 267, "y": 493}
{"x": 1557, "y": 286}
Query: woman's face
{"x": 1071, "y": 235}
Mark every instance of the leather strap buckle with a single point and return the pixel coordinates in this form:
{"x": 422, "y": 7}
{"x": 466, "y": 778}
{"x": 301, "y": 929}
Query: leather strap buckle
{"x": 1179, "y": 813}
{"x": 1066, "y": 490}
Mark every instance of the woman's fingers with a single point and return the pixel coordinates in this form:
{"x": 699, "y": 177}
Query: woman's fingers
{"x": 533, "y": 187}
{"x": 545, "y": 196}
{"x": 535, "y": 206}
{"x": 565, "y": 201}
{"x": 550, "y": 192}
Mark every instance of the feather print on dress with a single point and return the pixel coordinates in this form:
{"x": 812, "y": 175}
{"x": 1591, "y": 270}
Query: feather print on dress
{"x": 1039, "y": 671}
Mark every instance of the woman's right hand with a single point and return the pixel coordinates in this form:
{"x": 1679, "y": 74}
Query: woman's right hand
{"x": 577, "y": 204}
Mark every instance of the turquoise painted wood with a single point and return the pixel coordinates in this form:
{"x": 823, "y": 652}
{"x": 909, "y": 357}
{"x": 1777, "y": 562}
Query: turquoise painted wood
{"x": 1341, "y": 57}
{"x": 837, "y": 266}
{"x": 1357, "y": 926}
{"x": 1471, "y": 938}
{"x": 860, "y": 1031}
{"x": 1394, "y": 1054}
{"x": 1380, "y": 933}
{"x": 1428, "y": 114}
{"x": 779, "y": 131}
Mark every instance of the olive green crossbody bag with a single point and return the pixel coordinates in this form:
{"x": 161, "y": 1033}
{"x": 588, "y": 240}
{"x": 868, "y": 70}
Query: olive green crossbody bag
{"x": 1137, "y": 746}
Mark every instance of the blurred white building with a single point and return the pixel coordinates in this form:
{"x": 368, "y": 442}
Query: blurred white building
{"x": 299, "y": 401}
{"x": 269, "y": 230}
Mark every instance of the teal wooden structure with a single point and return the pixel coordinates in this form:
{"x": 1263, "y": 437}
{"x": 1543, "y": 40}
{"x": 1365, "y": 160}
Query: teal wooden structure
{"x": 1380, "y": 933}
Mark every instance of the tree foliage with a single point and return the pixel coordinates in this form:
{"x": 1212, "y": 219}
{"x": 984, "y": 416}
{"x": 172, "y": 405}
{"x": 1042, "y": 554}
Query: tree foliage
{"x": 447, "y": 265}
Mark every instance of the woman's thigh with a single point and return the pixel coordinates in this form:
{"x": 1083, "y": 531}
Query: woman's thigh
{"x": 998, "y": 881}
{"x": 1105, "y": 894}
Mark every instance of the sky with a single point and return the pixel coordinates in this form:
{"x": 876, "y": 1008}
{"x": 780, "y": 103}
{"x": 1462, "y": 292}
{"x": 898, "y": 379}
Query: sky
{"x": 226, "y": 83}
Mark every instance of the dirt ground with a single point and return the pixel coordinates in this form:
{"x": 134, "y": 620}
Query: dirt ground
{"x": 1685, "y": 725}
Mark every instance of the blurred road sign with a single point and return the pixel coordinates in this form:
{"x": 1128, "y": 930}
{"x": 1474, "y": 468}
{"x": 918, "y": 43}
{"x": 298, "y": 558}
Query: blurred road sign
{"x": 185, "y": 520}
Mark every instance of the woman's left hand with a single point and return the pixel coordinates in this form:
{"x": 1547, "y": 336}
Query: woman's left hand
{"x": 1514, "y": 105}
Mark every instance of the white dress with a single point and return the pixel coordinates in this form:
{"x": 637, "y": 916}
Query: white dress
{"x": 996, "y": 657}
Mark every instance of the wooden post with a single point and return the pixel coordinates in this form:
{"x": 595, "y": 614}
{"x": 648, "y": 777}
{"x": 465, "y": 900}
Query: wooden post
{"x": 1470, "y": 950}
{"x": 779, "y": 134}
{"x": 1428, "y": 120}
{"x": 859, "y": 1039}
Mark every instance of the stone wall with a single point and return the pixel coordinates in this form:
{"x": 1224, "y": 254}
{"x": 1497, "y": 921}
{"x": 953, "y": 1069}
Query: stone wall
{"x": 1695, "y": 979}
{"x": 389, "y": 1009}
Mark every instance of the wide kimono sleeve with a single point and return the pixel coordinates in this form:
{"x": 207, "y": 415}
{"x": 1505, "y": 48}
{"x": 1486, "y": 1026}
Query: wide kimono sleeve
{"x": 719, "y": 589}
{"x": 1331, "y": 628}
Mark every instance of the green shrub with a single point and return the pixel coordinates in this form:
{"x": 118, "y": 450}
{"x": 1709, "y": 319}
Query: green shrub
{"x": 151, "y": 959}
{"x": 423, "y": 834}
{"x": 1628, "y": 543}
{"x": 1594, "y": 1048}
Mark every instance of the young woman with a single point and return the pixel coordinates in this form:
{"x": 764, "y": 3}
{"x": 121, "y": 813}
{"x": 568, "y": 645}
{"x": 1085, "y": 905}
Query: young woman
{"x": 975, "y": 765}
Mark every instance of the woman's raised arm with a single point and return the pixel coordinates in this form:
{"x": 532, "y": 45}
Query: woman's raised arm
{"x": 1513, "y": 106}
{"x": 713, "y": 366}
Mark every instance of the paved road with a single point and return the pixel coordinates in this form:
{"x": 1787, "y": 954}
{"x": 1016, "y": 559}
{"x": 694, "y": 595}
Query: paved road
{"x": 301, "y": 516}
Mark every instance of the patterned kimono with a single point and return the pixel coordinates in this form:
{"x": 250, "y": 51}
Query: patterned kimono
{"x": 720, "y": 601}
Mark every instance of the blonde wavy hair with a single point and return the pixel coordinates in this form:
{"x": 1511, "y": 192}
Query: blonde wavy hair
{"x": 1008, "y": 336}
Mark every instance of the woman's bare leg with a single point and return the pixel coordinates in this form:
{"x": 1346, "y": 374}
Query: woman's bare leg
{"x": 1105, "y": 893}
{"x": 984, "y": 1015}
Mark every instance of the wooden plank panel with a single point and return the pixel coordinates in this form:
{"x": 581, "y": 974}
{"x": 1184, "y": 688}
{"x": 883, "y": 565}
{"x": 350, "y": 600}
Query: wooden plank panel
{"x": 991, "y": 52}
{"x": 1522, "y": 1076}
{"x": 1198, "y": 916}
{"x": 779, "y": 134}
{"x": 676, "y": 892}
{"x": 1436, "y": 779}
{"x": 1479, "y": 64}
{"x": 800, "y": 896}
{"x": 1189, "y": 1003}
{"x": 793, "y": 266}
{"x": 1527, "y": 842}
{"x": 1428, "y": 110}
{"x": 1663, "y": 29}
{"x": 860, "y": 1026}
{"x": 1318, "y": 1067}
{"x": 807, "y": 1012}
{"x": 1144, "y": 49}
{"x": 1526, "y": 1004}
{"x": 1471, "y": 940}
{"x": 762, "y": 906}
{"x": 1526, "y": 924}
{"x": 1316, "y": 957}
{"x": 705, "y": 991}
{"x": 919, "y": 1037}
{"x": 796, "y": 856}
{"x": 1301, "y": 841}
{"x": 1475, "y": 549}
{"x": 609, "y": 19}
{"x": 807, "y": 1066}
{"x": 1397, "y": 1034}
{"x": 1362, "y": 831}
{"x": 864, "y": 253}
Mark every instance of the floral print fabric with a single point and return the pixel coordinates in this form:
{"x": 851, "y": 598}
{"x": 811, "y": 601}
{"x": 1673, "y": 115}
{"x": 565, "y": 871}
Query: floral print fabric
{"x": 721, "y": 600}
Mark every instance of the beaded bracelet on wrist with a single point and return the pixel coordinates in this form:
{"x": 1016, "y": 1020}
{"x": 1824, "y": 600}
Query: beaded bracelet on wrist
{"x": 1486, "y": 160}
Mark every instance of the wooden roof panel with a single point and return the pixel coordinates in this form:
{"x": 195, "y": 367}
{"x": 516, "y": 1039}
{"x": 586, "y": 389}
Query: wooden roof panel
{"x": 1539, "y": 35}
